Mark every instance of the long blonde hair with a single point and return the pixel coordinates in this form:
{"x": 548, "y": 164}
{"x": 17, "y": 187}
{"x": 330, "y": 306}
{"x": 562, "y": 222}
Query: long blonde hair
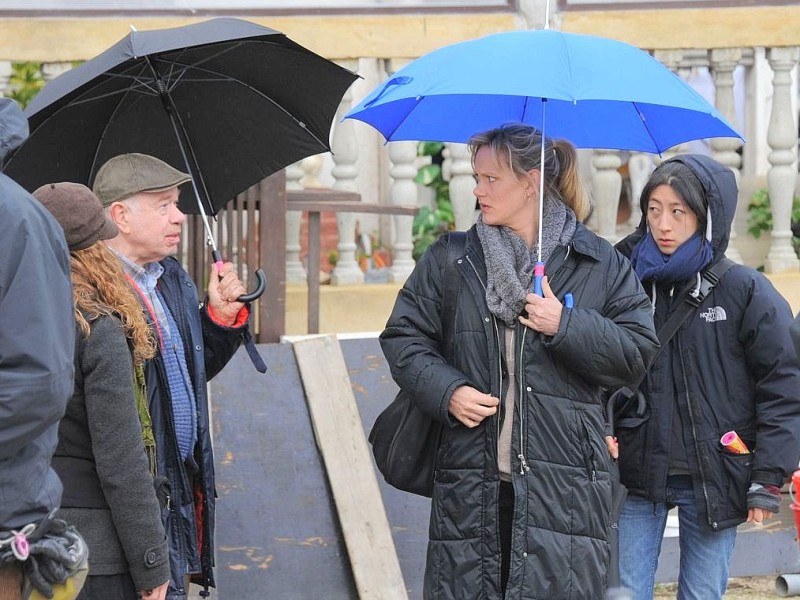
{"x": 520, "y": 146}
{"x": 99, "y": 287}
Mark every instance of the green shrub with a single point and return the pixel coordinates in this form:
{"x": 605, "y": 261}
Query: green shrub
{"x": 759, "y": 215}
{"x": 429, "y": 223}
{"x": 26, "y": 81}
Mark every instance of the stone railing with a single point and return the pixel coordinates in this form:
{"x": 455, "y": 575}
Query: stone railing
{"x": 755, "y": 88}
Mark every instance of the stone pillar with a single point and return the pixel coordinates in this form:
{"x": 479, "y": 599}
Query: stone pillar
{"x": 403, "y": 192}
{"x": 672, "y": 60}
{"x": 295, "y": 273}
{"x": 606, "y": 189}
{"x": 723, "y": 61}
{"x": 5, "y": 76}
{"x": 52, "y": 70}
{"x": 640, "y": 165}
{"x": 782, "y": 174}
{"x": 345, "y": 157}
{"x": 462, "y": 186}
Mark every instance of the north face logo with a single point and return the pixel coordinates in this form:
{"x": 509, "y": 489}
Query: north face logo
{"x": 715, "y": 313}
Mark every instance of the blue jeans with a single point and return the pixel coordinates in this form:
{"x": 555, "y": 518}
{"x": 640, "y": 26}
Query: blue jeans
{"x": 705, "y": 554}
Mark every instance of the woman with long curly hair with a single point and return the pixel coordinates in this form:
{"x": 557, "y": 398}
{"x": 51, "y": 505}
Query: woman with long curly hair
{"x": 106, "y": 451}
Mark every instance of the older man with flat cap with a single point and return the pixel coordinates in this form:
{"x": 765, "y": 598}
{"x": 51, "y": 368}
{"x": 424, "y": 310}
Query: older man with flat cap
{"x": 196, "y": 340}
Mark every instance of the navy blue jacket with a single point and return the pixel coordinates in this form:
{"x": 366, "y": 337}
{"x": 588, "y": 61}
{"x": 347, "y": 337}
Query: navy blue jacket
{"x": 731, "y": 366}
{"x": 191, "y": 488}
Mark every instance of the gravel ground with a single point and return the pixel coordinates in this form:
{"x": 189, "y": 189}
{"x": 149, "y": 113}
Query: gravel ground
{"x": 739, "y": 588}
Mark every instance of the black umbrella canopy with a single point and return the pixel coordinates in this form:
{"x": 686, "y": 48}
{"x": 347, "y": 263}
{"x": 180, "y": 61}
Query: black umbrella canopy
{"x": 228, "y": 100}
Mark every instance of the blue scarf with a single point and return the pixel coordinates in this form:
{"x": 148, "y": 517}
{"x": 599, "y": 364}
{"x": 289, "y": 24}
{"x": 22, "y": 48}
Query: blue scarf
{"x": 689, "y": 258}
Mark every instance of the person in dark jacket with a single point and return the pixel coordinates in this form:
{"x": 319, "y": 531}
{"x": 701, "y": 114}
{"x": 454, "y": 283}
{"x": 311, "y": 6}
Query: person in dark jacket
{"x": 195, "y": 341}
{"x": 101, "y": 457}
{"x": 728, "y": 368}
{"x": 522, "y": 496}
{"x": 37, "y": 338}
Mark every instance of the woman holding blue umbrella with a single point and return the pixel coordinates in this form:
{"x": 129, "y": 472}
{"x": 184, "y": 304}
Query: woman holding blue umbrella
{"x": 523, "y": 490}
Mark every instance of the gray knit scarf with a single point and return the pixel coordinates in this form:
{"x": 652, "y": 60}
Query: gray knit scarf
{"x": 509, "y": 262}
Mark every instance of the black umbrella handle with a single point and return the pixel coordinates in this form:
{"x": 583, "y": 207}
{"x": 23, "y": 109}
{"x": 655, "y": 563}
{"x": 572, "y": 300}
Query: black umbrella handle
{"x": 260, "y": 287}
{"x": 261, "y": 280}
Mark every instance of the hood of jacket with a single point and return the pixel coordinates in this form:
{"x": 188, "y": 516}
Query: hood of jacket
{"x": 13, "y": 127}
{"x": 722, "y": 194}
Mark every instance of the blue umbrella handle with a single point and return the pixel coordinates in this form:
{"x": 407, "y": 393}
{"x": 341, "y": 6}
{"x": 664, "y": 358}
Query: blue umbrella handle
{"x": 538, "y": 274}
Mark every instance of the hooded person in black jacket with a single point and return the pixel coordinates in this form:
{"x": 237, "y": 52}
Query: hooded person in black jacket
{"x": 728, "y": 368}
{"x": 522, "y": 496}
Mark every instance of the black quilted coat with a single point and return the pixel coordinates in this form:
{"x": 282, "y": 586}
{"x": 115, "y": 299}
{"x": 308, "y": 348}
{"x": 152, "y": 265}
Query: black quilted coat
{"x": 560, "y": 547}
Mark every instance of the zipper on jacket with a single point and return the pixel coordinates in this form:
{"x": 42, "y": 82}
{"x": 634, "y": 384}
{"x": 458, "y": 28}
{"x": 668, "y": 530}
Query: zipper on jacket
{"x": 712, "y": 523}
{"x": 499, "y": 357}
{"x": 589, "y": 456}
{"x": 523, "y": 463}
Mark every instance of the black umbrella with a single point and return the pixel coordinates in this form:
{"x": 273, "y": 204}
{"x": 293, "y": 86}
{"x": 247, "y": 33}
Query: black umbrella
{"x": 231, "y": 101}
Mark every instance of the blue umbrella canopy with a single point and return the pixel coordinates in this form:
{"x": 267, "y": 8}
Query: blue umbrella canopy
{"x": 596, "y": 92}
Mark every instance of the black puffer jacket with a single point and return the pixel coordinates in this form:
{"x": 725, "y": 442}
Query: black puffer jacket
{"x": 561, "y": 524}
{"x": 729, "y": 367}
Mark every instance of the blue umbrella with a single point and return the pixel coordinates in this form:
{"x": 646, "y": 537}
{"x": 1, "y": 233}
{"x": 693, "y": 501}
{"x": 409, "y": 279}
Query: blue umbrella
{"x": 599, "y": 93}
{"x": 595, "y": 92}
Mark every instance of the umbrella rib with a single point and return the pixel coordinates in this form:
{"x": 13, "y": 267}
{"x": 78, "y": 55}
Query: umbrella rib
{"x": 261, "y": 95}
{"x": 647, "y": 127}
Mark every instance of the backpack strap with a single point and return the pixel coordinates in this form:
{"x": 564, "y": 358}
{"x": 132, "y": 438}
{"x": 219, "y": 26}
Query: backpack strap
{"x": 456, "y": 243}
{"x": 708, "y": 279}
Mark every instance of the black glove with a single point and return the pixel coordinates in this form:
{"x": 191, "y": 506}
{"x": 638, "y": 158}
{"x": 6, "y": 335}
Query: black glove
{"x": 764, "y": 497}
{"x": 55, "y": 554}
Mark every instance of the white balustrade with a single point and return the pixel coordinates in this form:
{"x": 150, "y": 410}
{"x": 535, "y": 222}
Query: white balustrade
{"x": 345, "y": 170}
{"x": 5, "y": 75}
{"x": 461, "y": 185}
{"x": 723, "y": 62}
{"x": 295, "y": 273}
{"x": 606, "y": 189}
{"x": 782, "y": 174}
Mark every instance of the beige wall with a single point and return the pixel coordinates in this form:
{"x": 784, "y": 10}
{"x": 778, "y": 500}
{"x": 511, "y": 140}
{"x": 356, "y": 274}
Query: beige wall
{"x": 753, "y": 26}
{"x": 403, "y": 36}
{"x": 335, "y": 37}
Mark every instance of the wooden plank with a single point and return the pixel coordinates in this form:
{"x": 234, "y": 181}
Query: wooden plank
{"x": 340, "y": 437}
{"x": 321, "y": 205}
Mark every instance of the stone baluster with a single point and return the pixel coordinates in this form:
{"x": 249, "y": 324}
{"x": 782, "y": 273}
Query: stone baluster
{"x": 312, "y": 166}
{"x": 782, "y": 174}
{"x": 403, "y": 192}
{"x": 723, "y": 61}
{"x": 671, "y": 59}
{"x": 462, "y": 186}
{"x": 640, "y": 165}
{"x": 5, "y": 76}
{"x": 52, "y": 70}
{"x": 295, "y": 273}
{"x": 345, "y": 170}
{"x": 606, "y": 189}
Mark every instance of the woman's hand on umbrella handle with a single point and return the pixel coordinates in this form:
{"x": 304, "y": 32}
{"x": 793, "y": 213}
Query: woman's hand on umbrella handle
{"x": 224, "y": 289}
{"x": 544, "y": 313}
{"x": 613, "y": 447}
{"x": 470, "y": 406}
